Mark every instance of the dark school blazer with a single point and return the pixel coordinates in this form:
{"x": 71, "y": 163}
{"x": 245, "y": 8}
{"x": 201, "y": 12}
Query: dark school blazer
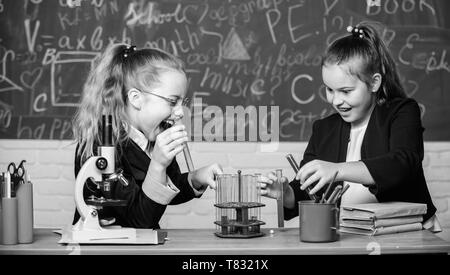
{"x": 141, "y": 211}
{"x": 392, "y": 150}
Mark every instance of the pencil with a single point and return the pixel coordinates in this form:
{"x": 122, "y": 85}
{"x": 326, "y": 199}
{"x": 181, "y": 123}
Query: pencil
{"x": 338, "y": 194}
{"x": 327, "y": 192}
{"x": 295, "y": 166}
{"x": 292, "y": 162}
{"x": 346, "y": 186}
{"x": 334, "y": 194}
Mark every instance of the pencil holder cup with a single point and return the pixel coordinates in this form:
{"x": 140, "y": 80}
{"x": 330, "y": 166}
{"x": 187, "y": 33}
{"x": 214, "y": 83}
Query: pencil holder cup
{"x": 319, "y": 222}
{"x": 9, "y": 221}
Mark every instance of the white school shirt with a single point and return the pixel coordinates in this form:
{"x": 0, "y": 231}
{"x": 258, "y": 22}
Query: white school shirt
{"x": 356, "y": 193}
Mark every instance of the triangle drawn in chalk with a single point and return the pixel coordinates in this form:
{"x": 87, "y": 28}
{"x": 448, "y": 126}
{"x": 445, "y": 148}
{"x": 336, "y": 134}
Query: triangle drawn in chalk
{"x": 233, "y": 48}
{"x": 7, "y": 85}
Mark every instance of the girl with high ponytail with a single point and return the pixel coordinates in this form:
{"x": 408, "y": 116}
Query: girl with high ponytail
{"x": 374, "y": 141}
{"x": 143, "y": 90}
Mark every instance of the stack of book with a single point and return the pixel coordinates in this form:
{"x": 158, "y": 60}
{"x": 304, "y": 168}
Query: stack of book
{"x": 382, "y": 218}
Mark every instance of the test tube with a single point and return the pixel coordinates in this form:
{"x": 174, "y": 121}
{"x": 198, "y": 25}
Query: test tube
{"x": 225, "y": 189}
{"x": 218, "y": 216}
{"x": 280, "y": 198}
{"x": 188, "y": 158}
{"x": 220, "y": 198}
{"x": 187, "y": 153}
{"x": 232, "y": 197}
{"x": 240, "y": 186}
{"x": 253, "y": 200}
{"x": 258, "y": 196}
{"x": 244, "y": 211}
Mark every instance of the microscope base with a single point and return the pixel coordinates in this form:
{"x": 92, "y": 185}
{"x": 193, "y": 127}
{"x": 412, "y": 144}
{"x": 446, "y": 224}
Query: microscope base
{"x": 104, "y": 234}
{"x": 90, "y": 229}
{"x": 143, "y": 236}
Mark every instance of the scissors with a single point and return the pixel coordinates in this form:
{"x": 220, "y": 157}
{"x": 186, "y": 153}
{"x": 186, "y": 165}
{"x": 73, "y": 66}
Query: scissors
{"x": 17, "y": 173}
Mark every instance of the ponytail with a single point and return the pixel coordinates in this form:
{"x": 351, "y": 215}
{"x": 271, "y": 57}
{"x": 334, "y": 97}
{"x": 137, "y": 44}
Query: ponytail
{"x": 391, "y": 86}
{"x": 103, "y": 94}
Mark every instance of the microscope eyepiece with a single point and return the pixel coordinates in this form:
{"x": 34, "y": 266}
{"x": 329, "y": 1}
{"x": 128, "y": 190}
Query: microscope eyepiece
{"x": 107, "y": 139}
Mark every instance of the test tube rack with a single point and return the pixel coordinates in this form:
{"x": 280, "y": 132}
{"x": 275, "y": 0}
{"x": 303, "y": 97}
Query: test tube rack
{"x": 238, "y": 205}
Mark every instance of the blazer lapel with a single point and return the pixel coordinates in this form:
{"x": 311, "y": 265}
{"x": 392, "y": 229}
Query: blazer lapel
{"x": 138, "y": 159}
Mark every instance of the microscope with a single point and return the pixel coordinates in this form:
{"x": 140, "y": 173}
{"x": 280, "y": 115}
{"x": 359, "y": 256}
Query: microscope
{"x": 101, "y": 171}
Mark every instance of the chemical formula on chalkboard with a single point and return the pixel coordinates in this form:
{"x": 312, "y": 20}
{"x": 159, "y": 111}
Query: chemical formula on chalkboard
{"x": 256, "y": 63}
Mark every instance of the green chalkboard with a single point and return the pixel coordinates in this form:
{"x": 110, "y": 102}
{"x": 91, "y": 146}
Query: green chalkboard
{"x": 249, "y": 53}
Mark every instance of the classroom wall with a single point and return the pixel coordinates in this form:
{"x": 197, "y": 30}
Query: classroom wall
{"x": 51, "y": 167}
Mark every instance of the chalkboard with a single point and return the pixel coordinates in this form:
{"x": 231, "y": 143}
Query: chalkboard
{"x": 263, "y": 54}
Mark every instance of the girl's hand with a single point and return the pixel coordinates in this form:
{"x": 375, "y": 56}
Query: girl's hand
{"x": 268, "y": 186}
{"x": 205, "y": 176}
{"x": 322, "y": 172}
{"x": 168, "y": 144}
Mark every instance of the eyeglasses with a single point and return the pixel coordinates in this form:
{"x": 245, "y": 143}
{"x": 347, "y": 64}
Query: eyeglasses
{"x": 173, "y": 102}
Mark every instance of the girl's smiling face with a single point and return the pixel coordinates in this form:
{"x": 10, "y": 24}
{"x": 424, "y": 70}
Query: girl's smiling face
{"x": 349, "y": 96}
{"x": 161, "y": 102}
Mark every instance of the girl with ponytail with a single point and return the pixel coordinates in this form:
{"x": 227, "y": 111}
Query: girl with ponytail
{"x": 374, "y": 141}
{"x": 143, "y": 90}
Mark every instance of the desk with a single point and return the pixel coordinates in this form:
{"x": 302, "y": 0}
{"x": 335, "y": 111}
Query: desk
{"x": 282, "y": 241}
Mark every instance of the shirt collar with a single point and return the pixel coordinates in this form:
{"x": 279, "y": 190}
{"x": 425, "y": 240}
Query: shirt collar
{"x": 139, "y": 138}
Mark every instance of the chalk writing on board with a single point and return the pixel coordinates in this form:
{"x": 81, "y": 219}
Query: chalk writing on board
{"x": 6, "y": 84}
{"x": 261, "y": 53}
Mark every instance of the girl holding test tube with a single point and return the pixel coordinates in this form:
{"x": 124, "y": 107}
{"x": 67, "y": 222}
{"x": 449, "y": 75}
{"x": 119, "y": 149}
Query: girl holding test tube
{"x": 144, "y": 90}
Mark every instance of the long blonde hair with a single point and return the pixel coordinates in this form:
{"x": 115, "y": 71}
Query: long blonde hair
{"x": 119, "y": 68}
